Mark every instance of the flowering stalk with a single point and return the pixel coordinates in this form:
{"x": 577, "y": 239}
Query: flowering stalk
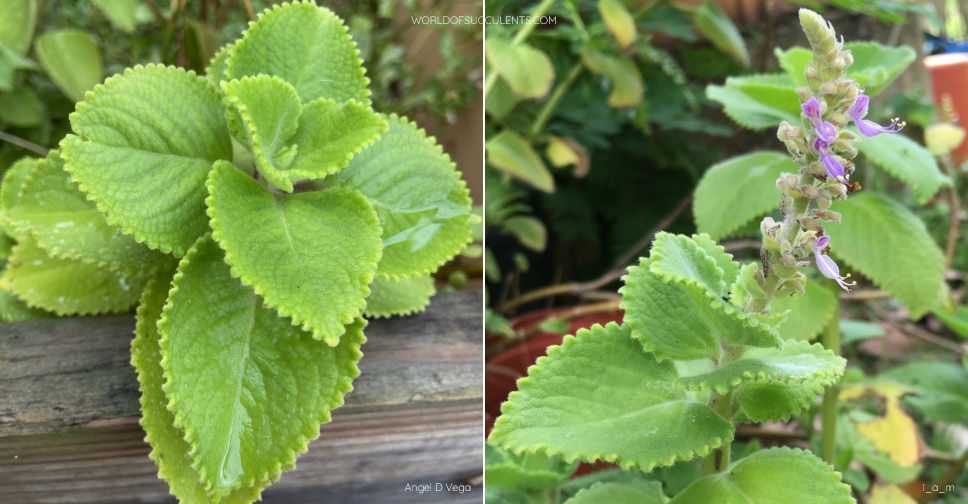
{"x": 822, "y": 146}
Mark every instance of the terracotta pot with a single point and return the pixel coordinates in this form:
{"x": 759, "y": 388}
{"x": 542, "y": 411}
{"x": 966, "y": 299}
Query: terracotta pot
{"x": 949, "y": 78}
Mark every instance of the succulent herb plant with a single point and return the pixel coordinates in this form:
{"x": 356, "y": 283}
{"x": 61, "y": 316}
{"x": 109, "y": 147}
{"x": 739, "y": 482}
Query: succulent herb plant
{"x": 699, "y": 350}
{"x": 258, "y": 213}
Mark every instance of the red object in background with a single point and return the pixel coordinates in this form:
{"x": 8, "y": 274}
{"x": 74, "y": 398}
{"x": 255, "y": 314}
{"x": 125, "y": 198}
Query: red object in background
{"x": 949, "y": 77}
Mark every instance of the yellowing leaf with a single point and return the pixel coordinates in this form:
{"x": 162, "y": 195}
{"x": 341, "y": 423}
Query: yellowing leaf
{"x": 943, "y": 138}
{"x": 512, "y": 154}
{"x": 627, "y": 86}
{"x": 895, "y": 433}
{"x": 889, "y": 494}
{"x": 618, "y": 20}
{"x": 565, "y": 151}
{"x": 527, "y": 70}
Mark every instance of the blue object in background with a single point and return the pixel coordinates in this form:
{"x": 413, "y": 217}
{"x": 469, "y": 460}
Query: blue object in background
{"x": 940, "y": 45}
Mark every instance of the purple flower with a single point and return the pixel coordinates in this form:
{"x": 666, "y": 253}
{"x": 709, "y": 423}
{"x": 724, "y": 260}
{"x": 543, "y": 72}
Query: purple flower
{"x": 835, "y": 170}
{"x": 824, "y": 130}
{"x": 827, "y": 266}
{"x": 869, "y": 128}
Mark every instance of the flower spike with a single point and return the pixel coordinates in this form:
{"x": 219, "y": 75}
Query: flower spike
{"x": 828, "y": 267}
{"x": 869, "y": 128}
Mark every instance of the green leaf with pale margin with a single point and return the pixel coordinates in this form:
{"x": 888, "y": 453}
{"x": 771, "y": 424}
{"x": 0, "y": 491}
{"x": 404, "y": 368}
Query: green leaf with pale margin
{"x": 216, "y": 69}
{"x": 68, "y": 287}
{"x": 889, "y": 244}
{"x": 296, "y": 250}
{"x": 794, "y": 362}
{"x": 769, "y": 477}
{"x": 809, "y": 312}
{"x": 248, "y": 388}
{"x": 423, "y": 204}
{"x": 146, "y": 142}
{"x": 529, "y": 231}
{"x": 169, "y": 449}
{"x": 714, "y": 24}
{"x": 17, "y": 24}
{"x": 528, "y": 472}
{"x": 685, "y": 321}
{"x": 512, "y": 154}
{"x": 72, "y": 60}
{"x": 776, "y": 401}
{"x": 67, "y": 225}
{"x": 852, "y": 331}
{"x": 646, "y": 492}
{"x": 399, "y": 297}
{"x": 22, "y": 108}
{"x": 627, "y": 86}
{"x": 526, "y": 70}
{"x": 619, "y": 21}
{"x": 13, "y": 183}
{"x": 774, "y": 90}
{"x": 875, "y": 65}
{"x": 307, "y": 46}
{"x": 957, "y": 321}
{"x": 679, "y": 258}
{"x": 746, "y": 110}
{"x": 119, "y": 12}
{"x": 905, "y": 160}
{"x": 13, "y": 309}
{"x": 590, "y": 397}
{"x": 942, "y": 389}
{"x": 738, "y": 190}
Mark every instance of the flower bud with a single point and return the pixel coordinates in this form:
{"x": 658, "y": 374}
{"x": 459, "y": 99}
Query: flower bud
{"x": 836, "y": 190}
{"x": 818, "y": 31}
{"x": 811, "y": 224}
{"x": 829, "y": 215}
{"x": 809, "y": 191}
{"x": 805, "y": 93}
{"x": 817, "y": 170}
{"x": 845, "y": 149}
{"x": 824, "y": 201}
{"x": 828, "y": 88}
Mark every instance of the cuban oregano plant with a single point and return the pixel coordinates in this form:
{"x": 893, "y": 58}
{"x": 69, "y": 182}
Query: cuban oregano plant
{"x": 699, "y": 350}
{"x": 256, "y": 215}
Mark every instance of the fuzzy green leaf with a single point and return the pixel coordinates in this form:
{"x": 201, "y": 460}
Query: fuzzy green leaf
{"x": 590, "y": 397}
{"x": 907, "y": 161}
{"x": 526, "y": 70}
{"x": 794, "y": 61}
{"x": 527, "y": 472}
{"x": 645, "y": 492}
{"x": 889, "y": 244}
{"x": 310, "y": 255}
{"x": 875, "y": 65}
{"x": 679, "y": 258}
{"x": 769, "y": 477}
{"x": 17, "y": 24}
{"x": 307, "y": 46}
{"x": 216, "y": 69}
{"x": 72, "y": 60}
{"x": 775, "y": 401}
{"x": 774, "y": 90}
{"x": 146, "y": 143}
{"x": 67, "y": 225}
{"x": 422, "y": 202}
{"x": 12, "y": 185}
{"x": 942, "y": 389}
{"x": 248, "y": 388}
{"x": 68, "y": 287}
{"x": 627, "y": 86}
{"x": 795, "y": 362}
{"x": 13, "y": 309}
{"x": 736, "y": 191}
{"x": 715, "y": 25}
{"x": 169, "y": 449}
{"x": 404, "y": 296}
{"x": 746, "y": 110}
{"x": 809, "y": 312}
{"x": 512, "y": 154}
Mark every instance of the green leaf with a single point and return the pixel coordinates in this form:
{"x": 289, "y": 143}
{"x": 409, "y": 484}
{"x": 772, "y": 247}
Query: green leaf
{"x": 216, "y": 69}
{"x": 72, "y": 60}
{"x": 119, "y": 12}
{"x": 957, "y": 321}
{"x": 746, "y": 110}
{"x": 13, "y": 309}
{"x": 776, "y": 401}
{"x": 852, "y": 331}
{"x": 68, "y": 287}
{"x": 67, "y": 225}
{"x": 771, "y": 476}
{"x": 875, "y": 65}
{"x": 627, "y": 86}
{"x": 715, "y": 25}
{"x": 646, "y": 492}
{"x": 147, "y": 140}
{"x": 169, "y": 450}
{"x": 590, "y": 397}
{"x": 942, "y": 389}
{"x": 679, "y": 258}
{"x": 795, "y": 362}
{"x": 10, "y": 188}
{"x": 526, "y": 70}
{"x": 794, "y": 60}
{"x": 512, "y": 154}
{"x": 774, "y": 90}
{"x": 889, "y": 244}
{"x": 685, "y": 321}
{"x": 530, "y": 231}
{"x": 618, "y": 20}
{"x": 849, "y": 439}
{"x": 809, "y": 312}
{"x": 423, "y": 204}
{"x": 310, "y": 255}
{"x": 10, "y": 62}
{"x": 907, "y": 161}
{"x": 399, "y": 297}
{"x": 500, "y": 101}
{"x": 307, "y": 46}
{"x": 17, "y": 24}
{"x": 22, "y": 108}
{"x": 736, "y": 191}
{"x": 248, "y": 388}
{"x": 528, "y": 472}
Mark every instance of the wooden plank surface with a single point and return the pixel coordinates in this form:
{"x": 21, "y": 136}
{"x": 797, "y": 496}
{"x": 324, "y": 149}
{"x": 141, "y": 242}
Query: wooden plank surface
{"x": 69, "y": 409}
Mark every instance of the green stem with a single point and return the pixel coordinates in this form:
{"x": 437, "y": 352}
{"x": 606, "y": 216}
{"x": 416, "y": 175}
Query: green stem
{"x": 722, "y": 404}
{"x": 828, "y": 410}
{"x": 523, "y": 34}
{"x": 553, "y": 100}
